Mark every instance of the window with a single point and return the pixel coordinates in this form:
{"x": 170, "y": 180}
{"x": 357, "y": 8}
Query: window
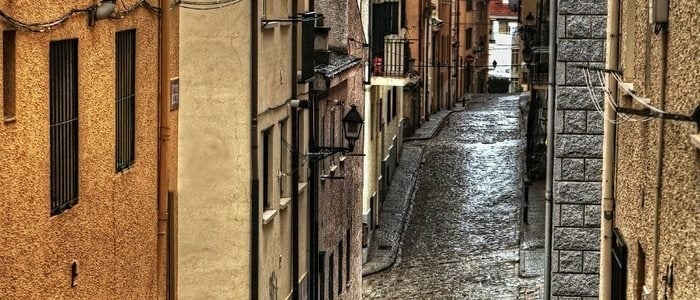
{"x": 63, "y": 111}
{"x": 266, "y": 163}
{"x": 125, "y": 113}
{"x": 394, "y": 103}
{"x": 347, "y": 255}
{"x": 285, "y": 156}
{"x": 389, "y": 101}
{"x": 619, "y": 267}
{"x": 8, "y": 75}
{"x": 340, "y": 267}
{"x": 470, "y": 5}
{"x": 470, "y": 39}
{"x": 330, "y": 276}
{"x": 641, "y": 270}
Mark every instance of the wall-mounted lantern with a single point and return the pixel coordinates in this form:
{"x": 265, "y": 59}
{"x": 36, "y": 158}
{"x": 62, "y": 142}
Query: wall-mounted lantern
{"x": 352, "y": 126}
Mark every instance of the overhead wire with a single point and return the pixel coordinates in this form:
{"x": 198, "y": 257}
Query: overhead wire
{"x": 204, "y": 5}
{"x": 44, "y": 26}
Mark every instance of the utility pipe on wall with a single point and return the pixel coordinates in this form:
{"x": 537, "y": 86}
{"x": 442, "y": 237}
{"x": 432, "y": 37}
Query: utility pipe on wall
{"x": 295, "y": 157}
{"x": 165, "y": 240}
{"x": 551, "y": 93}
{"x": 255, "y": 181}
{"x": 609, "y": 129}
{"x": 660, "y": 162}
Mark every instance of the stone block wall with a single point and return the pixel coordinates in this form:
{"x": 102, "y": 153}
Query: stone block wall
{"x": 578, "y": 152}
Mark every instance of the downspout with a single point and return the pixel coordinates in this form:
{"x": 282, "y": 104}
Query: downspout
{"x": 552, "y": 81}
{"x": 313, "y": 192}
{"x": 449, "y": 62}
{"x": 660, "y": 160}
{"x": 609, "y": 129}
{"x": 255, "y": 181}
{"x": 295, "y": 157}
{"x": 165, "y": 236}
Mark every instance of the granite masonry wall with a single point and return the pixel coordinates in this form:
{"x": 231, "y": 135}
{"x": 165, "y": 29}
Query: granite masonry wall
{"x": 578, "y": 152}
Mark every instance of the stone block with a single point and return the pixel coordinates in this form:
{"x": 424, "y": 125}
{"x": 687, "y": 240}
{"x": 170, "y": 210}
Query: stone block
{"x": 594, "y": 169}
{"x": 557, "y": 168}
{"x": 559, "y": 121}
{"x": 577, "y": 192}
{"x": 572, "y": 215}
{"x": 575, "y": 121}
{"x": 556, "y": 215}
{"x": 598, "y": 26}
{"x": 578, "y": 26}
{"x": 555, "y": 261}
{"x": 594, "y": 122}
{"x": 570, "y": 261}
{"x": 591, "y": 216}
{"x": 575, "y": 284}
{"x": 574, "y": 75}
{"x": 572, "y": 169}
{"x": 591, "y": 261}
{"x": 579, "y": 146}
{"x": 574, "y": 97}
{"x": 582, "y": 7}
{"x": 561, "y": 73}
{"x": 566, "y": 238}
{"x": 561, "y": 28}
{"x": 583, "y": 50}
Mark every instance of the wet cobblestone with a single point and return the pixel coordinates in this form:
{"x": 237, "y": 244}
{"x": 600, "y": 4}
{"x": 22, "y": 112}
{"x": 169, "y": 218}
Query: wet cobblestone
{"x": 463, "y": 237}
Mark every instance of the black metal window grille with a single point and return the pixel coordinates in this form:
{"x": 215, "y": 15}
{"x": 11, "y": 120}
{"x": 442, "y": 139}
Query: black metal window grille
{"x": 125, "y": 125}
{"x": 63, "y": 110}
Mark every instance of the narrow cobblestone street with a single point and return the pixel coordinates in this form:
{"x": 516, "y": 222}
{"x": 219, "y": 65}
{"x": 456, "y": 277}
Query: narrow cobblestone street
{"x": 462, "y": 239}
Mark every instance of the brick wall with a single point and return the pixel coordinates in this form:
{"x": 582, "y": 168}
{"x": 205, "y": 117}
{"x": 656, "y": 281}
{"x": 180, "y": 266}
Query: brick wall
{"x": 578, "y": 152}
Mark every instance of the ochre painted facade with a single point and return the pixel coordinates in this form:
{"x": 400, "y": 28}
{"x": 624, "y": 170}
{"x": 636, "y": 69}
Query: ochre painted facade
{"x": 111, "y": 232}
{"x": 638, "y": 149}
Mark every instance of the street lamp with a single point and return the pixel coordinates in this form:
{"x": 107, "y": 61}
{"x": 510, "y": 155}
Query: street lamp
{"x": 352, "y": 126}
{"x": 530, "y": 20}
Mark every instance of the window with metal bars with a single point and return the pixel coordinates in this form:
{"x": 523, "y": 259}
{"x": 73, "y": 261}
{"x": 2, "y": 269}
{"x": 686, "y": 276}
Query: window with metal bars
{"x": 125, "y": 108}
{"x": 63, "y": 110}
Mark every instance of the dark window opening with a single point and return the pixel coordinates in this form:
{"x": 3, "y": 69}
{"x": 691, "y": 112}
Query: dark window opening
{"x": 63, "y": 110}
{"x": 8, "y": 74}
{"x": 619, "y": 267}
{"x": 125, "y": 78}
{"x": 267, "y": 162}
{"x": 340, "y": 267}
{"x": 348, "y": 242}
{"x": 331, "y": 261}
{"x": 641, "y": 271}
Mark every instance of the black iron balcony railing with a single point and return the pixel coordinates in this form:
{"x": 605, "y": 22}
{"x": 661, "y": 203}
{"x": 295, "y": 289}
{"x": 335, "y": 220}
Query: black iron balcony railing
{"x": 393, "y": 61}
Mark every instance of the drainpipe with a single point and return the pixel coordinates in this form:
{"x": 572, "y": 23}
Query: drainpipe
{"x": 255, "y": 181}
{"x": 552, "y": 78}
{"x": 660, "y": 161}
{"x": 609, "y": 129}
{"x": 165, "y": 237}
{"x": 295, "y": 157}
{"x": 449, "y": 62}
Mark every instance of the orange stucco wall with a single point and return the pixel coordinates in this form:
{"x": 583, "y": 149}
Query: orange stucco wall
{"x": 111, "y": 233}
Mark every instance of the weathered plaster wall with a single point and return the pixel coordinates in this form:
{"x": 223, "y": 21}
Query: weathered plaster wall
{"x": 578, "y": 152}
{"x": 214, "y": 166}
{"x": 637, "y": 150}
{"x": 111, "y": 233}
{"x": 340, "y": 201}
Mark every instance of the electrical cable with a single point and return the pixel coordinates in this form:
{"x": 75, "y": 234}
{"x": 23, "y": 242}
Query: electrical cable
{"x": 204, "y": 5}
{"x": 42, "y": 27}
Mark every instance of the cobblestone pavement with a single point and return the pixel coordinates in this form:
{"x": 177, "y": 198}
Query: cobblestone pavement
{"x": 462, "y": 239}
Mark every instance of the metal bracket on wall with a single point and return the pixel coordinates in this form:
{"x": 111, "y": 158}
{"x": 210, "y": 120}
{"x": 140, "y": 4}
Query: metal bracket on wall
{"x": 695, "y": 117}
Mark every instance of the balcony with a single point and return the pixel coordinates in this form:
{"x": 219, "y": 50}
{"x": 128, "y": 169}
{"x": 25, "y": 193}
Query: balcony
{"x": 393, "y": 61}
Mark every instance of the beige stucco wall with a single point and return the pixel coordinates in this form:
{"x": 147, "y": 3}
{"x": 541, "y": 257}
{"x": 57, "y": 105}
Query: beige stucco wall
{"x": 111, "y": 233}
{"x": 214, "y": 164}
{"x": 637, "y": 147}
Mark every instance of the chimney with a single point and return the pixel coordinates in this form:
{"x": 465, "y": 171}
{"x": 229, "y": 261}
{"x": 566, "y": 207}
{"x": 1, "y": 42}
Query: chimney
{"x": 321, "y": 53}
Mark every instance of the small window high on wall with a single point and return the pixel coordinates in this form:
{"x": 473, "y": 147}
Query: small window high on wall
{"x": 8, "y": 75}
{"x": 125, "y": 134}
